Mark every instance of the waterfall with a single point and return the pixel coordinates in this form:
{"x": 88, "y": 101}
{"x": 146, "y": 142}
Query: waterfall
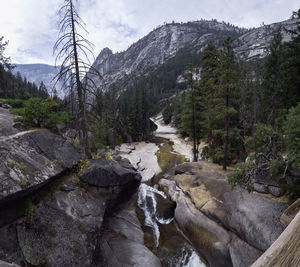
{"x": 147, "y": 203}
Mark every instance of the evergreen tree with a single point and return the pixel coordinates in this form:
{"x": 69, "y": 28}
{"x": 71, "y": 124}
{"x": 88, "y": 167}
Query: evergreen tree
{"x": 290, "y": 77}
{"x": 208, "y": 85}
{"x": 43, "y": 93}
{"x": 272, "y": 81}
{"x": 227, "y": 91}
{"x": 191, "y": 118}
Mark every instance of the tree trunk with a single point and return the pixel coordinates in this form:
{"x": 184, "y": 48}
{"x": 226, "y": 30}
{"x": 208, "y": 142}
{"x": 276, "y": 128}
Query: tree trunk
{"x": 226, "y": 132}
{"x": 80, "y": 91}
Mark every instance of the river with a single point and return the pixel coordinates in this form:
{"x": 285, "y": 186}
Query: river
{"x": 154, "y": 160}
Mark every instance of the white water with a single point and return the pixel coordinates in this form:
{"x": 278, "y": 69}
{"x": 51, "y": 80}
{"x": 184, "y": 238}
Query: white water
{"x": 180, "y": 146}
{"x": 142, "y": 156}
{"x": 191, "y": 260}
{"x": 147, "y": 203}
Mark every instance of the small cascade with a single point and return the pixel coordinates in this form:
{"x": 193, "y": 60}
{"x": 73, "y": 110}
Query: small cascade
{"x": 147, "y": 202}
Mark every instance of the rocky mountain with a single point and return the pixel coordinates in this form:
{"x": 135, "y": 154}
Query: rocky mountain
{"x": 159, "y": 46}
{"x": 254, "y": 44}
{"x": 36, "y": 73}
{"x": 165, "y": 42}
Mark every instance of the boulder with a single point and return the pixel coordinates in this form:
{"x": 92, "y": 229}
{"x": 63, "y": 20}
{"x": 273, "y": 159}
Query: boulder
{"x": 72, "y": 227}
{"x": 221, "y": 221}
{"x": 122, "y": 243}
{"x": 20, "y": 126}
{"x": 30, "y": 159}
{"x": 165, "y": 208}
{"x": 275, "y": 190}
{"x": 104, "y": 172}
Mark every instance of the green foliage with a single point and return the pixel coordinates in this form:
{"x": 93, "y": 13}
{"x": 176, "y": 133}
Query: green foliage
{"x": 167, "y": 113}
{"x": 83, "y": 163}
{"x": 29, "y": 209}
{"x": 22, "y": 166}
{"x": 108, "y": 156}
{"x": 43, "y": 113}
{"x": 10, "y": 163}
{"x": 292, "y": 135}
{"x": 240, "y": 175}
{"x": 22, "y": 183}
{"x": 18, "y": 111}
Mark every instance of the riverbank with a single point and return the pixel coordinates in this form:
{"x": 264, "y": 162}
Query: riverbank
{"x": 229, "y": 227}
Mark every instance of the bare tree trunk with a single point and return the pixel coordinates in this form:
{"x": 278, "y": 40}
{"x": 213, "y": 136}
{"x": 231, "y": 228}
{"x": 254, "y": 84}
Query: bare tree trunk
{"x": 79, "y": 91}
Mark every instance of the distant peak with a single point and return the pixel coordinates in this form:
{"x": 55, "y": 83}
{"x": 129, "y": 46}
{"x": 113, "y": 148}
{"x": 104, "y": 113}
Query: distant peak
{"x": 106, "y": 51}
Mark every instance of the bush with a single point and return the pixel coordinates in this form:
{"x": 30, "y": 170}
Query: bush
{"x": 18, "y": 111}
{"x": 42, "y": 113}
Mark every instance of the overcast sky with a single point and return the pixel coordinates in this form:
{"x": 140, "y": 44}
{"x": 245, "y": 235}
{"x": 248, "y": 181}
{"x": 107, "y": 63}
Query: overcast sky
{"x": 31, "y": 25}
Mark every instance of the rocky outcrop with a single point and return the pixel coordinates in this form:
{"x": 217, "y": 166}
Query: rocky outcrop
{"x": 285, "y": 250}
{"x": 81, "y": 224}
{"x": 255, "y": 43}
{"x": 158, "y": 46}
{"x": 122, "y": 242}
{"x": 229, "y": 227}
{"x": 165, "y": 41}
{"x": 6, "y": 122}
{"x": 108, "y": 173}
{"x": 142, "y": 156}
{"x": 30, "y": 159}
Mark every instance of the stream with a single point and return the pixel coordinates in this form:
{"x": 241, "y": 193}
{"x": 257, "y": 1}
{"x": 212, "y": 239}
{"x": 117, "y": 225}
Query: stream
{"x": 155, "y": 160}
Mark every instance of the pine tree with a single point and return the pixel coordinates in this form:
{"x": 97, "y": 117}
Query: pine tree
{"x": 272, "y": 80}
{"x": 227, "y": 91}
{"x": 208, "y": 85}
{"x": 191, "y": 118}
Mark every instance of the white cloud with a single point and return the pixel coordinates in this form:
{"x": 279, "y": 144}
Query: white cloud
{"x": 31, "y": 25}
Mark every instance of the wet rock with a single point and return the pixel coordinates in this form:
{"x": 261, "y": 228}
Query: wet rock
{"x": 123, "y": 241}
{"x": 165, "y": 208}
{"x": 68, "y": 186}
{"x": 105, "y": 172}
{"x": 227, "y": 219}
{"x": 30, "y": 159}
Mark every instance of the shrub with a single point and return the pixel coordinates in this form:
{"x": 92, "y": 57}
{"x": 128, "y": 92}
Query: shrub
{"x": 18, "y": 111}
{"x": 42, "y": 113}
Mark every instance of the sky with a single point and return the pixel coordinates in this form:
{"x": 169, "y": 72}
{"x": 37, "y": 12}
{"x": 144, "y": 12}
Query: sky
{"x": 31, "y": 26}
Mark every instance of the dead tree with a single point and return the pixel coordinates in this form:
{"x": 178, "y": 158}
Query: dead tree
{"x": 72, "y": 52}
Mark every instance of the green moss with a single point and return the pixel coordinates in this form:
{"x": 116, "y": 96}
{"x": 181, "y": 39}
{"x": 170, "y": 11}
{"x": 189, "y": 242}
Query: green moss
{"x": 22, "y": 166}
{"x": 29, "y": 209}
{"x": 22, "y": 183}
{"x": 166, "y": 157}
{"x": 18, "y": 111}
{"x": 10, "y": 163}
